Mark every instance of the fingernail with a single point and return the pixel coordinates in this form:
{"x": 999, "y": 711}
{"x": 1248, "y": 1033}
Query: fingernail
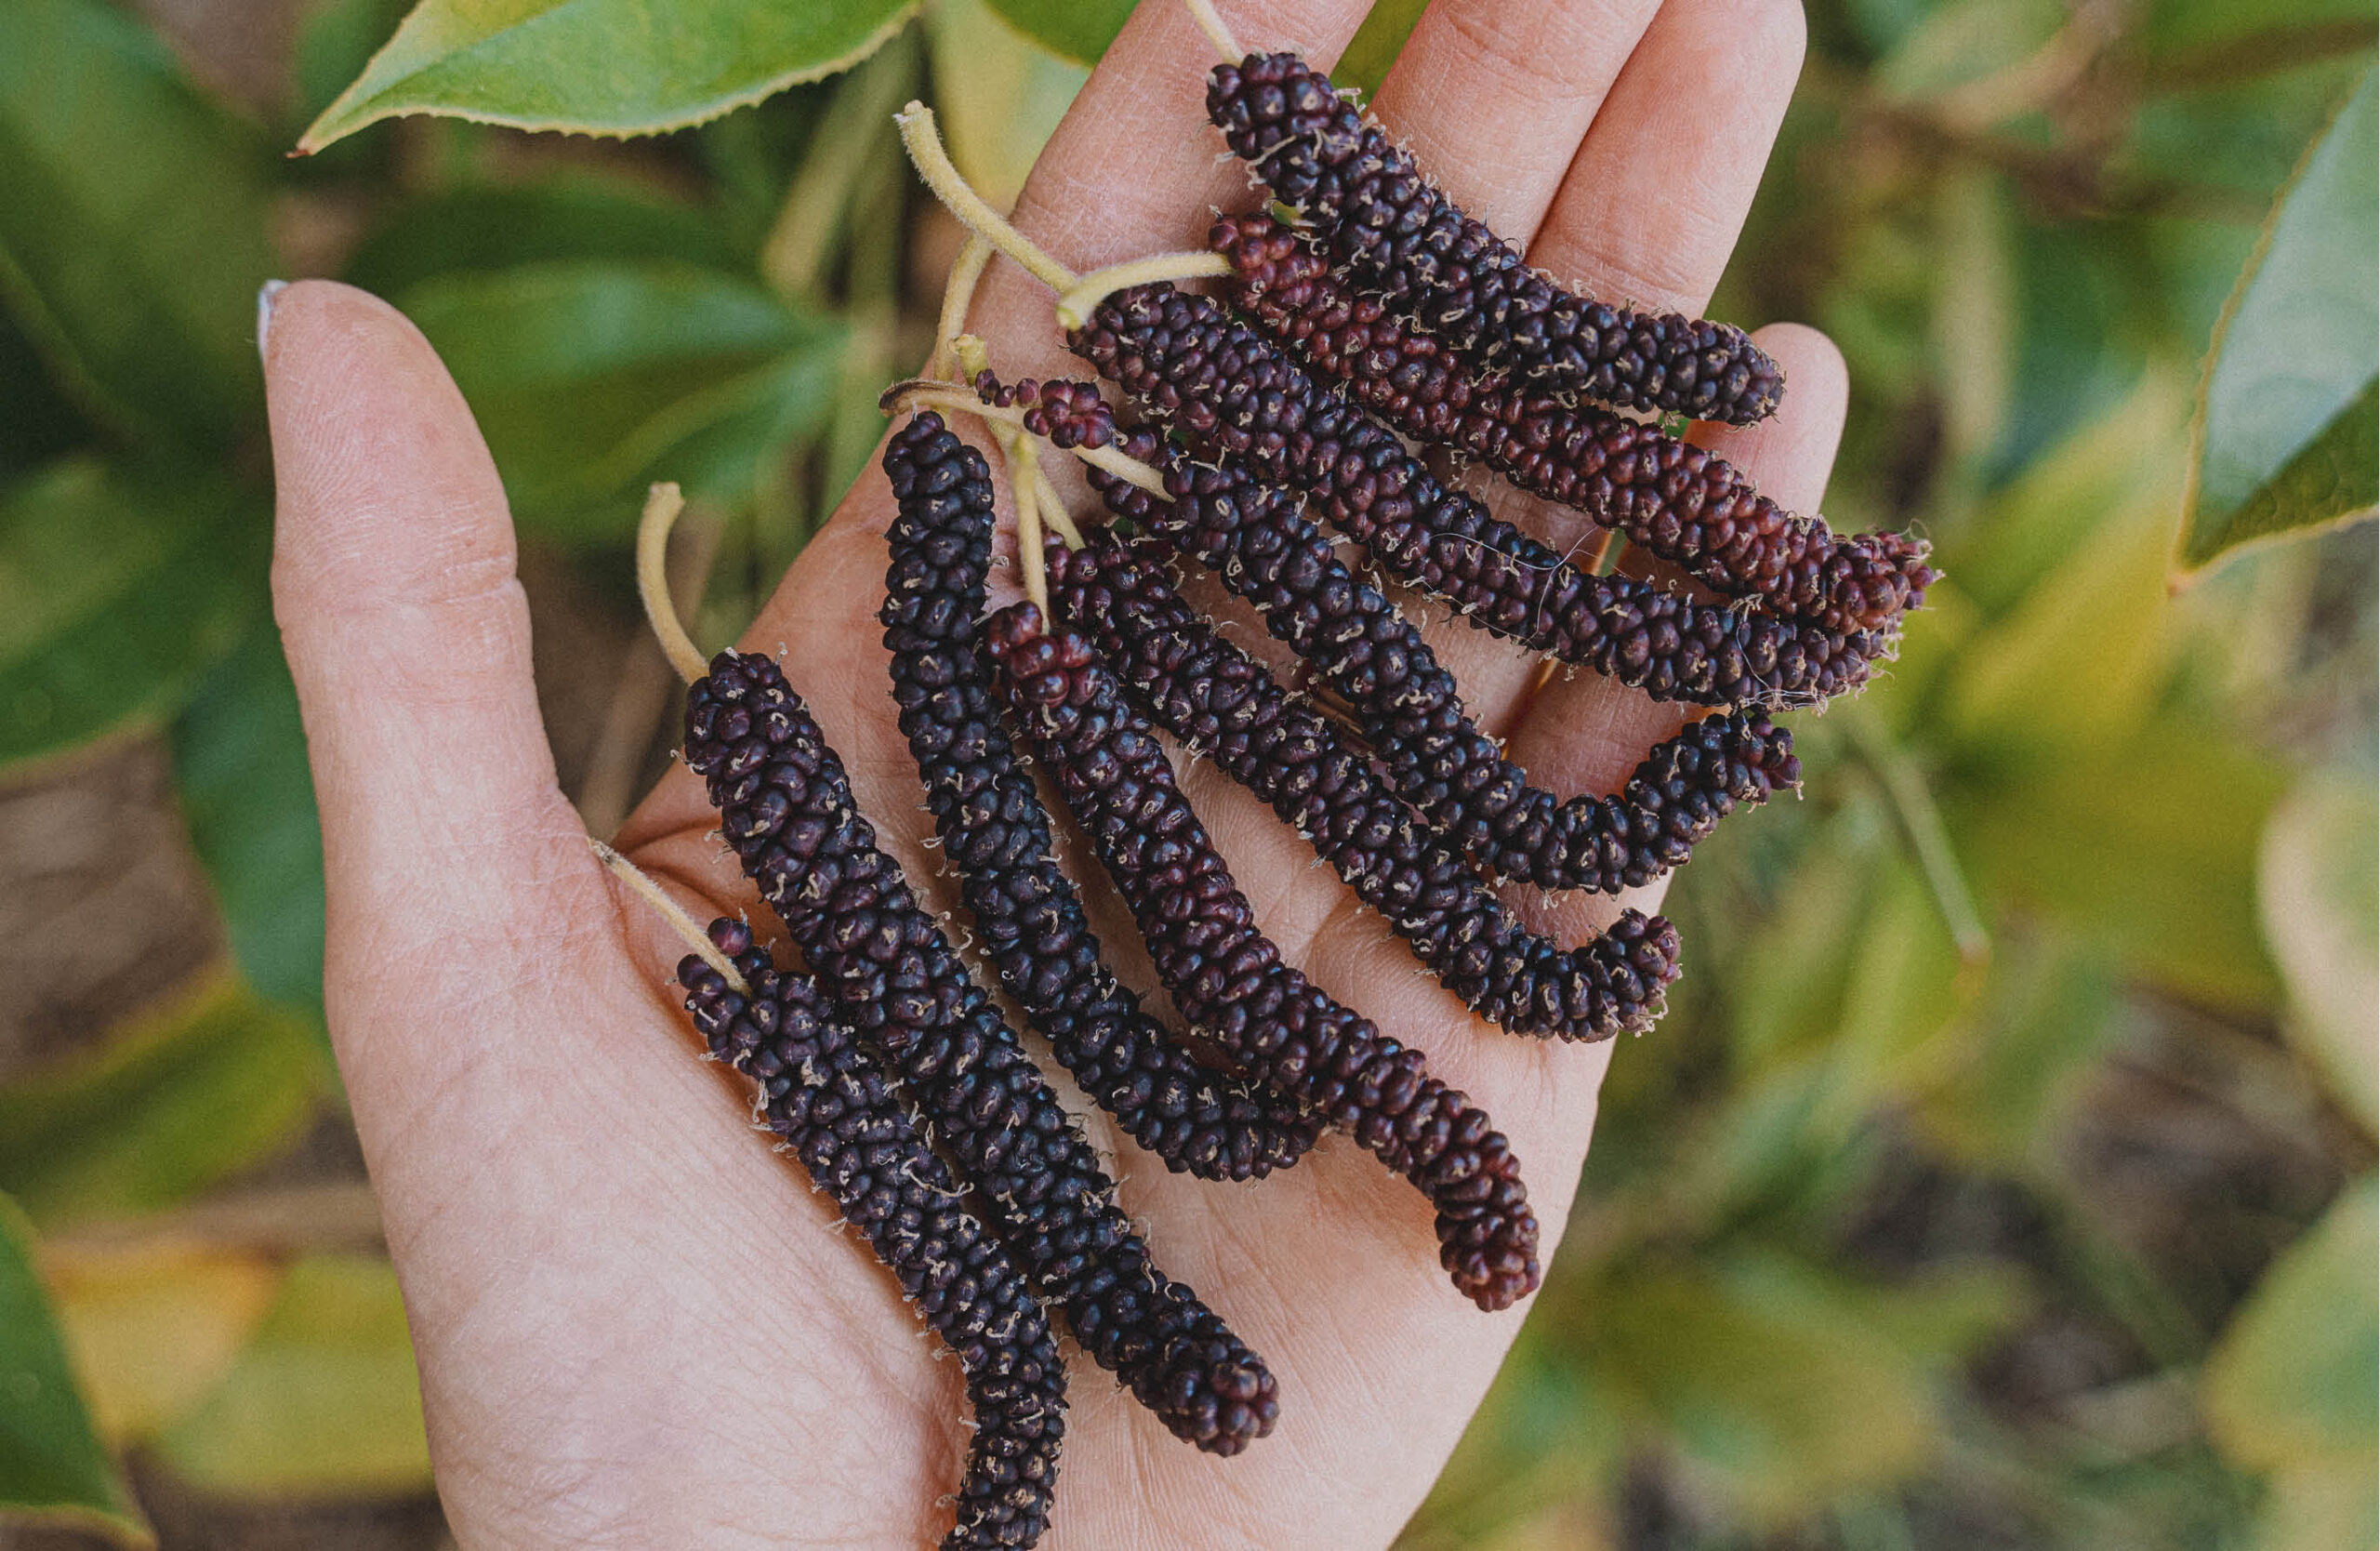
{"x": 265, "y": 296}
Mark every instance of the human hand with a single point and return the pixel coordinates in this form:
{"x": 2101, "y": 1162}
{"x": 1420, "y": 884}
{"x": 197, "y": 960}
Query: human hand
{"x": 632, "y": 1321}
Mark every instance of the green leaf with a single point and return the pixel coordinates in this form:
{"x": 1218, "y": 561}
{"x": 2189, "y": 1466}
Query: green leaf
{"x": 117, "y": 587}
{"x": 2316, "y": 882}
{"x": 1768, "y": 1380}
{"x": 214, "y": 1081}
{"x": 325, "y": 1399}
{"x": 132, "y": 223}
{"x": 2295, "y": 1380}
{"x": 1377, "y": 43}
{"x": 2287, "y": 435}
{"x": 52, "y": 1465}
{"x": 590, "y": 378}
{"x": 1075, "y": 30}
{"x": 248, "y": 797}
{"x": 2145, "y": 851}
{"x": 602, "y": 67}
{"x": 575, "y": 216}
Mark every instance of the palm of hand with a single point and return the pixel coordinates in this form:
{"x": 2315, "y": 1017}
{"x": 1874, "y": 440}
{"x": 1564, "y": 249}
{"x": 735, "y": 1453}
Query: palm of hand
{"x": 632, "y": 1322}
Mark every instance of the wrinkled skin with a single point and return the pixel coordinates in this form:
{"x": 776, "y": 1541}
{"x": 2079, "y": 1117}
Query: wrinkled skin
{"x": 633, "y": 1322}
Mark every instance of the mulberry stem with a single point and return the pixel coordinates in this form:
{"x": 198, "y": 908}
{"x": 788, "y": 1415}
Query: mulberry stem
{"x": 662, "y": 506}
{"x": 1226, "y": 705}
{"x": 995, "y": 833}
{"x": 923, "y": 141}
{"x": 786, "y": 807}
{"x": 652, "y": 894}
{"x": 844, "y": 1116}
{"x": 1211, "y": 22}
{"x": 1228, "y": 977}
{"x": 957, "y": 296}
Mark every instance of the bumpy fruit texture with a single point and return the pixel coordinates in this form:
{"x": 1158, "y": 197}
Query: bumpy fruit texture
{"x": 1671, "y": 498}
{"x": 1232, "y": 389}
{"x": 1228, "y": 977}
{"x": 1225, "y": 705}
{"x": 843, "y": 1115}
{"x": 1412, "y": 713}
{"x": 785, "y": 806}
{"x": 1403, "y": 241}
{"x": 996, "y": 837}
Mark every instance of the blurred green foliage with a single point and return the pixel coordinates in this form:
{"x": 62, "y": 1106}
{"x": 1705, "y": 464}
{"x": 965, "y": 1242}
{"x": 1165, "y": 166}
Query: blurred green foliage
{"x": 2002, "y": 1174}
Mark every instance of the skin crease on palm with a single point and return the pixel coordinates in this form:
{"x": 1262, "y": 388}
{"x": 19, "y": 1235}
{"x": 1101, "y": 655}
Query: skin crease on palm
{"x": 634, "y": 1322}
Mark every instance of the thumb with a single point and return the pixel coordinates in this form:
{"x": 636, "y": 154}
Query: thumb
{"x": 447, "y": 843}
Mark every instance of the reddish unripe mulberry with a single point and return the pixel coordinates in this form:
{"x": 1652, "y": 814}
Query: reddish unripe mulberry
{"x": 1674, "y": 500}
{"x": 1232, "y": 389}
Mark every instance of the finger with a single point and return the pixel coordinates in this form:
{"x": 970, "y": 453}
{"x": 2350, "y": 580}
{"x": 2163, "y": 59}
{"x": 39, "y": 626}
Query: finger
{"x": 408, "y": 635}
{"x": 1653, "y": 202}
{"x": 1587, "y": 733}
{"x": 1493, "y": 97}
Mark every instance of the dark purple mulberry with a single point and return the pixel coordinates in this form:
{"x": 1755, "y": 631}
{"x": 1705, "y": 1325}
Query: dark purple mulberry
{"x": 1405, "y": 241}
{"x": 1232, "y": 389}
{"x": 844, "y": 1117}
{"x": 1228, "y": 978}
{"x": 1228, "y": 705}
{"x": 1673, "y": 500}
{"x": 997, "y": 837}
{"x": 1412, "y": 713}
{"x": 785, "y": 806}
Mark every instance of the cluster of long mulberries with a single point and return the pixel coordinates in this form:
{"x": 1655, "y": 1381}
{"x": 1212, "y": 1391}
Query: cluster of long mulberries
{"x": 1376, "y": 213}
{"x": 1252, "y": 536}
{"x": 1677, "y": 501}
{"x": 997, "y": 836}
{"x": 786, "y": 807}
{"x": 1229, "y": 978}
{"x": 1226, "y": 705}
{"x": 842, "y": 1114}
{"x": 1226, "y": 385}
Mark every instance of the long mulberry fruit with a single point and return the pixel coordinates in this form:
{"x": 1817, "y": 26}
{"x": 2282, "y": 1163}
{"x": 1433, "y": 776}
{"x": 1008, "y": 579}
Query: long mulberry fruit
{"x": 842, "y": 1114}
{"x": 1232, "y": 389}
{"x": 1407, "y": 242}
{"x": 996, "y": 834}
{"x": 1225, "y": 704}
{"x": 1412, "y": 713}
{"x": 1676, "y": 501}
{"x": 1228, "y": 977}
{"x": 785, "y": 806}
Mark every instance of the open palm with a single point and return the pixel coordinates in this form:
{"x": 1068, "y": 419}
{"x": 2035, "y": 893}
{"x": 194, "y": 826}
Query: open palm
{"x": 634, "y": 1325}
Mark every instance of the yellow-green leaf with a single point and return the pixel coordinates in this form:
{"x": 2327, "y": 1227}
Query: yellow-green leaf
{"x": 52, "y": 1465}
{"x": 325, "y": 1399}
{"x": 2294, "y": 1382}
{"x": 212, "y": 1082}
{"x": 602, "y": 67}
{"x": 117, "y": 587}
{"x": 2316, "y": 882}
{"x": 2287, "y": 436}
{"x": 156, "y": 1325}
